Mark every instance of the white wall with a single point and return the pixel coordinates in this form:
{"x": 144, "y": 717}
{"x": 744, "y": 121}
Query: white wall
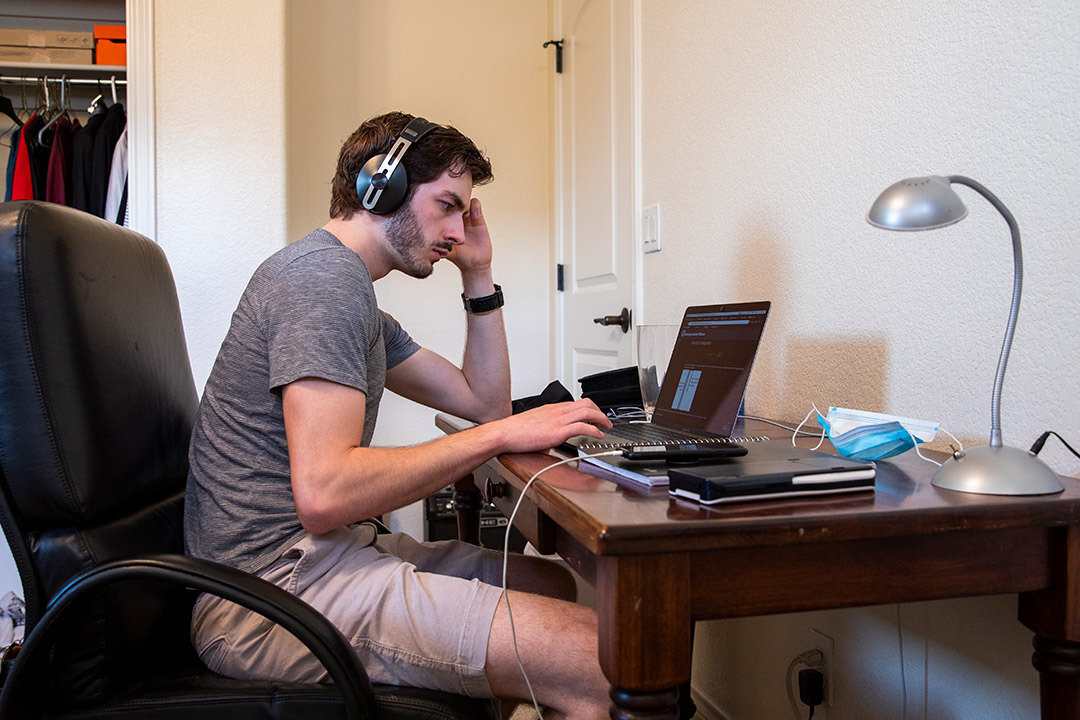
{"x": 221, "y": 182}
{"x": 801, "y": 113}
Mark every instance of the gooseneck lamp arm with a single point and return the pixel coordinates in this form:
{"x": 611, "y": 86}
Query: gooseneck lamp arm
{"x": 1018, "y": 282}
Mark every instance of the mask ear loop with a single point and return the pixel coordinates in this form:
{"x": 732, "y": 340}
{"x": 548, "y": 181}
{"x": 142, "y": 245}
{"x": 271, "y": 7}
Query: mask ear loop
{"x": 813, "y": 409}
{"x": 958, "y": 443}
{"x": 915, "y": 442}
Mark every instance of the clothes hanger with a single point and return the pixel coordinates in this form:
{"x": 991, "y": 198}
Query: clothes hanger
{"x": 99, "y": 100}
{"x": 112, "y": 82}
{"x": 61, "y": 110}
{"x": 7, "y": 108}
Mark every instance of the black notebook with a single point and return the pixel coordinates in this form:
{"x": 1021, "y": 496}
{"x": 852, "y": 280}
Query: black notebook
{"x": 774, "y": 470}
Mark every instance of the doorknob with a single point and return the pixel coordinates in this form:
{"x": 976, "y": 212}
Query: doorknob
{"x": 622, "y": 320}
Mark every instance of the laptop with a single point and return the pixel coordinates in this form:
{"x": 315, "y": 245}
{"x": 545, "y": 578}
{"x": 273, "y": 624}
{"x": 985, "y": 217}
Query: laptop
{"x": 704, "y": 385}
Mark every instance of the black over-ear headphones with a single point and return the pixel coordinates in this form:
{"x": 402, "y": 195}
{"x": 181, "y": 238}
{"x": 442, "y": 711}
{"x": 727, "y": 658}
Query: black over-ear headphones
{"x": 382, "y": 183}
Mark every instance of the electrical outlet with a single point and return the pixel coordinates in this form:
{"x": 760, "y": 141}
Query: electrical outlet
{"x": 824, "y": 643}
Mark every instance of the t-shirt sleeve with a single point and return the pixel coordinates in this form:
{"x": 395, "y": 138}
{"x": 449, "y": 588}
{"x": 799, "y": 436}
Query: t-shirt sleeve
{"x": 399, "y": 345}
{"x": 319, "y": 324}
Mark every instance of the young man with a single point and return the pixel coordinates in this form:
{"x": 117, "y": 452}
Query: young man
{"x": 282, "y": 475}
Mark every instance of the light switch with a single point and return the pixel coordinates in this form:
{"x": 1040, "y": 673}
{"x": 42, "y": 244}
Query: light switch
{"x": 651, "y": 230}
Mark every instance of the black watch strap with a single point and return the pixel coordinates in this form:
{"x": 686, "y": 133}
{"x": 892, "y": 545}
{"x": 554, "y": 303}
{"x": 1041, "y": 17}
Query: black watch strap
{"x": 483, "y": 304}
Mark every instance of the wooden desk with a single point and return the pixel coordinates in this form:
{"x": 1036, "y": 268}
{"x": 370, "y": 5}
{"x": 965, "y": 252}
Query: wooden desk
{"x": 658, "y": 563}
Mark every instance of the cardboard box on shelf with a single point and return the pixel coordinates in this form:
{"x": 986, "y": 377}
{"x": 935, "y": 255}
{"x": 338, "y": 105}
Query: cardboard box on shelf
{"x": 110, "y": 44}
{"x": 21, "y": 37}
{"x": 52, "y": 55}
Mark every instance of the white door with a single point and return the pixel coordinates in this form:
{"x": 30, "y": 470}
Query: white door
{"x": 596, "y": 185}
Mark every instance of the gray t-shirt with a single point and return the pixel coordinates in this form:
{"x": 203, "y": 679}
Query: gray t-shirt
{"x": 308, "y": 311}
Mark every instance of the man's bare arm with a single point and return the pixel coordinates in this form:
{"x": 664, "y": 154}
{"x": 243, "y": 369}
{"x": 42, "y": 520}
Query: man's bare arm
{"x": 336, "y": 482}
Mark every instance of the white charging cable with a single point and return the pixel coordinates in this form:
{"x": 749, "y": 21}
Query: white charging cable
{"x": 506, "y": 558}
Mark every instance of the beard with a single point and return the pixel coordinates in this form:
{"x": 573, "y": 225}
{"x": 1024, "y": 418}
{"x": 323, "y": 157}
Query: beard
{"x": 404, "y": 234}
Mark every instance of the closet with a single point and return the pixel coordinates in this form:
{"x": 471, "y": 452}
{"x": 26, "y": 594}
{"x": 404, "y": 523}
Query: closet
{"x": 63, "y": 125}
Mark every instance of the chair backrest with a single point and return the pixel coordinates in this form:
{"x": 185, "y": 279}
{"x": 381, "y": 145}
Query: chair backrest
{"x": 97, "y": 402}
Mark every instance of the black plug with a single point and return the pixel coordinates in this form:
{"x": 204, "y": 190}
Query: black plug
{"x": 1038, "y": 446}
{"x": 811, "y": 688}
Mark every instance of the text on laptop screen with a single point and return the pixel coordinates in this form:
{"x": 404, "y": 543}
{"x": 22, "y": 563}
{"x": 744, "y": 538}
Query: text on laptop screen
{"x": 710, "y": 366}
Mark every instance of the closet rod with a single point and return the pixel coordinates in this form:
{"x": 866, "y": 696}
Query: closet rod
{"x": 70, "y": 81}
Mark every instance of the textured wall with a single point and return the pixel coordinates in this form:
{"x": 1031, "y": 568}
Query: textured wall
{"x": 802, "y": 113}
{"x": 220, "y": 155}
{"x": 806, "y": 113}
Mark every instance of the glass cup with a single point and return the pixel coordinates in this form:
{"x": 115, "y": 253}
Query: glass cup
{"x": 654, "y": 344}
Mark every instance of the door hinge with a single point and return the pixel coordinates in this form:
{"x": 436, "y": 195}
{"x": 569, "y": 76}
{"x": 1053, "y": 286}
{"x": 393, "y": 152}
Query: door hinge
{"x": 558, "y": 54}
{"x": 559, "y": 277}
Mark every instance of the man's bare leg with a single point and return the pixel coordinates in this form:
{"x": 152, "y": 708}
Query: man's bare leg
{"x": 557, "y": 641}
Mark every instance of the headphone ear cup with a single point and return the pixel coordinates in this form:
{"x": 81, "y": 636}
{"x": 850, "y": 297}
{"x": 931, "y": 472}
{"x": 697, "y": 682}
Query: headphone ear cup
{"x": 393, "y": 188}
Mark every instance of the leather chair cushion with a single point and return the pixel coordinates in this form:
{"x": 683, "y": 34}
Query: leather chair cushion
{"x": 94, "y": 420}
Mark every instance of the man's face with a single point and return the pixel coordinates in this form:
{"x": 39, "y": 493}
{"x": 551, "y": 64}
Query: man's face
{"x": 424, "y": 230}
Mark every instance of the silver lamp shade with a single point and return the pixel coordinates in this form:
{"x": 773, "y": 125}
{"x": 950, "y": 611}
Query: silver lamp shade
{"x": 922, "y": 203}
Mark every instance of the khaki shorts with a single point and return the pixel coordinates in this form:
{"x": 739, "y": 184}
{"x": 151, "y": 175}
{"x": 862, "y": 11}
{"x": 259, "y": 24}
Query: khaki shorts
{"x": 417, "y": 614}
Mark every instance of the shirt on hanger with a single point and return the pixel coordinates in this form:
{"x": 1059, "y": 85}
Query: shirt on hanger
{"x": 117, "y": 180}
{"x": 104, "y": 144}
{"x": 58, "y": 179}
{"x": 12, "y": 157}
{"x": 22, "y": 184}
{"x": 82, "y": 160}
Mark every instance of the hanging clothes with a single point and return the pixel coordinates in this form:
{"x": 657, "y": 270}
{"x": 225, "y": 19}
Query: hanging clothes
{"x": 104, "y": 145}
{"x": 39, "y": 159}
{"x": 58, "y": 180}
{"x": 82, "y": 160}
{"x": 12, "y": 157}
{"x": 117, "y": 181}
{"x": 22, "y": 184}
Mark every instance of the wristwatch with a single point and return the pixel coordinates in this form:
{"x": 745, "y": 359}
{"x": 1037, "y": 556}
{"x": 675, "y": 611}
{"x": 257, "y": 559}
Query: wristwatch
{"x": 483, "y": 304}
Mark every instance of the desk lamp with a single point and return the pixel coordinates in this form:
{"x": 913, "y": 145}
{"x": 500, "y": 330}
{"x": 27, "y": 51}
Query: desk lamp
{"x": 928, "y": 203}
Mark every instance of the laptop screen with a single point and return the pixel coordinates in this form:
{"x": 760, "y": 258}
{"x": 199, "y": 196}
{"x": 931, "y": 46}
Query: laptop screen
{"x": 710, "y": 366}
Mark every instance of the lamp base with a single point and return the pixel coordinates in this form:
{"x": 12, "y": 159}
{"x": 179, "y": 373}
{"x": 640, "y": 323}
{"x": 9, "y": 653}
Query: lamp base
{"x": 997, "y": 471}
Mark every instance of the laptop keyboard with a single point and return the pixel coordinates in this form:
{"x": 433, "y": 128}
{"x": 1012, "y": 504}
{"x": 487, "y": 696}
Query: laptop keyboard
{"x": 647, "y": 432}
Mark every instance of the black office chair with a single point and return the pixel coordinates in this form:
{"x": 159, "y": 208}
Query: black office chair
{"x": 96, "y": 407}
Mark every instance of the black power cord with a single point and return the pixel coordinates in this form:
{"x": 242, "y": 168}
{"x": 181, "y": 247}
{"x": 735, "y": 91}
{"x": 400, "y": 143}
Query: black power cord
{"x": 812, "y": 659}
{"x": 1038, "y": 444}
{"x": 811, "y": 688}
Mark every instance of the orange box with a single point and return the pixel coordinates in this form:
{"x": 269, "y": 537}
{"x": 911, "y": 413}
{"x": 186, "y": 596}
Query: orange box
{"x": 110, "y": 43}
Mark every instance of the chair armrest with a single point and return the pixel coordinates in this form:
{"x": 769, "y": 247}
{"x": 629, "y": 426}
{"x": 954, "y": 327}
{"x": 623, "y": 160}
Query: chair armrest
{"x": 309, "y": 626}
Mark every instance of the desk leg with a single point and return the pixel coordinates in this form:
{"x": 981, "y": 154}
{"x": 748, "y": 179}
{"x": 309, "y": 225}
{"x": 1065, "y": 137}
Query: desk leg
{"x": 468, "y": 504}
{"x": 643, "y": 606}
{"x": 1054, "y": 616}
{"x": 1058, "y": 663}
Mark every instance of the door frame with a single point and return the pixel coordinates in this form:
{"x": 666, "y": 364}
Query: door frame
{"x": 142, "y": 158}
{"x": 633, "y": 242}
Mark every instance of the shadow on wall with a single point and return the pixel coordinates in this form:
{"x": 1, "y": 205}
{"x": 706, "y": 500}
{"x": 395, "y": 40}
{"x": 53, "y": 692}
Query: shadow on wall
{"x": 792, "y": 370}
{"x": 828, "y": 371}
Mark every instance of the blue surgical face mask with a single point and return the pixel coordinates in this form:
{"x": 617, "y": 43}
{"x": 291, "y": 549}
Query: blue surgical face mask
{"x": 869, "y": 436}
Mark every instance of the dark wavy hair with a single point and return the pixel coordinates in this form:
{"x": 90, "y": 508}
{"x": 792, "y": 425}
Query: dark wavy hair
{"x": 442, "y": 149}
